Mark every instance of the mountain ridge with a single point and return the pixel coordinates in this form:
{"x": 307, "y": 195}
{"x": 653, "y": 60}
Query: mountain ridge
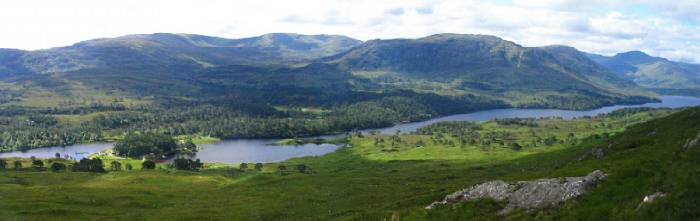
{"x": 656, "y": 73}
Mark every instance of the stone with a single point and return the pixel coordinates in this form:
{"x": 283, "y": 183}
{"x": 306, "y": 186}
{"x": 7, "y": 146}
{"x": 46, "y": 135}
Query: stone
{"x": 692, "y": 143}
{"x": 596, "y": 153}
{"x": 528, "y": 195}
{"x": 650, "y": 198}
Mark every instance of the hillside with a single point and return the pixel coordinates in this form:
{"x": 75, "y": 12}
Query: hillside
{"x": 659, "y": 74}
{"x": 395, "y": 177}
{"x": 486, "y": 65}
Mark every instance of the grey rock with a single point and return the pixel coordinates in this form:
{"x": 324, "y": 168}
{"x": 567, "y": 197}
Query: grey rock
{"x": 498, "y": 190}
{"x": 650, "y": 198}
{"x": 691, "y": 143}
{"x": 596, "y": 153}
{"x": 528, "y": 195}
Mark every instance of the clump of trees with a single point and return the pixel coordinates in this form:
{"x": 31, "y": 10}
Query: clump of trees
{"x": 89, "y": 165}
{"x": 187, "y": 164}
{"x": 525, "y": 122}
{"x": 154, "y": 145}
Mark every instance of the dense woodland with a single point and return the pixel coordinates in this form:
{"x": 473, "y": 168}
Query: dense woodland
{"x": 30, "y": 128}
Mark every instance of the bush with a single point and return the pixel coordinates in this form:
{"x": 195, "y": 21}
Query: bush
{"x": 38, "y": 164}
{"x": 516, "y": 147}
{"x": 57, "y": 167}
{"x": 302, "y": 168}
{"x": 129, "y": 167}
{"x": 116, "y": 166}
{"x": 17, "y": 164}
{"x": 148, "y": 165}
{"x": 282, "y": 169}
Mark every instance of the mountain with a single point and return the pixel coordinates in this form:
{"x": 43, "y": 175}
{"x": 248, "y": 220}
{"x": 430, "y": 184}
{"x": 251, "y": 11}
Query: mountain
{"x": 480, "y": 64}
{"x": 317, "y": 70}
{"x": 176, "y": 52}
{"x": 659, "y": 74}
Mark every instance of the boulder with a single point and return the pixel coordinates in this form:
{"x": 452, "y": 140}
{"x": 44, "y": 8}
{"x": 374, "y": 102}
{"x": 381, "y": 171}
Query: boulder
{"x": 528, "y": 195}
{"x": 693, "y": 142}
{"x": 596, "y": 153}
{"x": 650, "y": 198}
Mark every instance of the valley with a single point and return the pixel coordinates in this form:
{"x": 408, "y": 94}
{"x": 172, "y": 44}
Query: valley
{"x": 287, "y": 126}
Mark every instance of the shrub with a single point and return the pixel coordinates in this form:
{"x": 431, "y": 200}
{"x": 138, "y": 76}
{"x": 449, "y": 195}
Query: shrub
{"x": 148, "y": 165}
{"x": 17, "y": 164}
{"x": 302, "y": 168}
{"x": 56, "y": 167}
{"x": 38, "y": 164}
{"x": 116, "y": 166}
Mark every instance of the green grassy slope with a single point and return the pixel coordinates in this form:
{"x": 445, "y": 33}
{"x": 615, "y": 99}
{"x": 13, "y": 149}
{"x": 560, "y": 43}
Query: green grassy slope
{"x": 374, "y": 182}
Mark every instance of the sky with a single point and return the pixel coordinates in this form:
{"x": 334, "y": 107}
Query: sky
{"x": 663, "y": 28}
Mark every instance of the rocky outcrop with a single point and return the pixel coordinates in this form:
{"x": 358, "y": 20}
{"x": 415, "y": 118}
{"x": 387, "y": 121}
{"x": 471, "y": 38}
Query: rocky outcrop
{"x": 528, "y": 195}
{"x": 650, "y": 198}
{"x": 595, "y": 153}
{"x": 693, "y": 142}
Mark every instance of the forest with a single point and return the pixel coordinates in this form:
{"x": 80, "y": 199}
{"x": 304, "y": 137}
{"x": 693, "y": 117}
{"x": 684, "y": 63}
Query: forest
{"x": 24, "y": 128}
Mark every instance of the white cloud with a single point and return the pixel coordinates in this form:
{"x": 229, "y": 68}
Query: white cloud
{"x": 668, "y": 28}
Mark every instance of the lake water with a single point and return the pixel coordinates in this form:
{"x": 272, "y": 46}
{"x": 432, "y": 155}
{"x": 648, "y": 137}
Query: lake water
{"x": 666, "y": 101}
{"x": 78, "y": 151}
{"x": 260, "y": 150}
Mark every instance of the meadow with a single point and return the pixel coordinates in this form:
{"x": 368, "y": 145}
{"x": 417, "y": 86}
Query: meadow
{"x": 396, "y": 178}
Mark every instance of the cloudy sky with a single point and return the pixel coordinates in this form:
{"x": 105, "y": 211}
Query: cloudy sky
{"x": 664, "y": 28}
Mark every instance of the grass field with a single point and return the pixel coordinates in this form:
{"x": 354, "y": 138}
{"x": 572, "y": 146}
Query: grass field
{"x": 391, "y": 182}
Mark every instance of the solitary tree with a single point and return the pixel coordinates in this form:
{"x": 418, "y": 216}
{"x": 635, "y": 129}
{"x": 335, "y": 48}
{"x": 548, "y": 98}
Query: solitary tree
{"x": 116, "y": 166}
{"x": 17, "y": 164}
{"x": 282, "y": 169}
{"x": 516, "y": 146}
{"x": 301, "y": 168}
{"x": 258, "y": 166}
{"x": 3, "y": 164}
{"x": 148, "y": 165}
{"x": 38, "y": 164}
{"x": 57, "y": 167}
{"x": 129, "y": 167}
{"x": 58, "y": 155}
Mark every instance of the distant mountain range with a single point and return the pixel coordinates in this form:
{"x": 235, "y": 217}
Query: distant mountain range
{"x": 174, "y": 52}
{"x": 484, "y": 65}
{"x": 658, "y": 74}
{"x": 315, "y": 69}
